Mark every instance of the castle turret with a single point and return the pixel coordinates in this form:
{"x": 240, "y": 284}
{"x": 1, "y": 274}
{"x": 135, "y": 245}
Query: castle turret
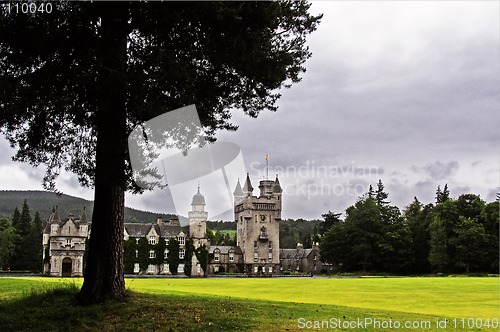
{"x": 198, "y": 218}
{"x": 277, "y": 192}
{"x": 83, "y": 223}
{"x": 197, "y": 228}
{"x": 238, "y": 193}
{"x": 247, "y": 188}
{"x": 54, "y": 221}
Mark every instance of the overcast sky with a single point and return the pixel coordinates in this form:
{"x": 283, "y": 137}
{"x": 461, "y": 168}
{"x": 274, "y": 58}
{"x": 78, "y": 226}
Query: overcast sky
{"x": 405, "y": 92}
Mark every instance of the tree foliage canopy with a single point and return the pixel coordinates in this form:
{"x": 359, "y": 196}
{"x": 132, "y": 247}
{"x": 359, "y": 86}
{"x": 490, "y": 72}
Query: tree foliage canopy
{"x": 219, "y": 56}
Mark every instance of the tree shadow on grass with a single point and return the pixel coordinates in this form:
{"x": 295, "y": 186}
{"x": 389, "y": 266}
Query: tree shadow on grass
{"x": 55, "y": 309}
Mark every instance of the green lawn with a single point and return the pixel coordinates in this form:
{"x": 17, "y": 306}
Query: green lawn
{"x": 248, "y": 304}
{"x": 457, "y": 297}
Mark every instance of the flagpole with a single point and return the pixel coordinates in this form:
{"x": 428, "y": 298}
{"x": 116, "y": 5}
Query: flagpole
{"x": 267, "y": 167}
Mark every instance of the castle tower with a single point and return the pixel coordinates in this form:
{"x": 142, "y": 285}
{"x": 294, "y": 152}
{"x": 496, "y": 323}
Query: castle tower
{"x": 257, "y": 220}
{"x": 198, "y": 219}
{"x": 197, "y": 229}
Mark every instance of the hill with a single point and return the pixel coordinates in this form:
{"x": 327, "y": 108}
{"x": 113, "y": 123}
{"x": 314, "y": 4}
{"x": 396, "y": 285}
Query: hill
{"x": 44, "y": 201}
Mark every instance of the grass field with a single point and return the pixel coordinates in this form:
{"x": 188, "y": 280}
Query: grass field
{"x": 275, "y": 304}
{"x": 230, "y": 232}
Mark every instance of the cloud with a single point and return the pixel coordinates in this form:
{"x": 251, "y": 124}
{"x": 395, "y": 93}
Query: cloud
{"x": 441, "y": 171}
{"x": 409, "y": 89}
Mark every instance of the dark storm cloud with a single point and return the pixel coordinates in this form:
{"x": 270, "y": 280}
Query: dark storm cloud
{"x": 439, "y": 170}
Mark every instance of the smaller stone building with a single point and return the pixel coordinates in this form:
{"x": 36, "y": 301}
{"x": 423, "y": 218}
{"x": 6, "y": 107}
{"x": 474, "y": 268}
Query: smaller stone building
{"x": 64, "y": 245}
{"x": 225, "y": 259}
{"x": 300, "y": 260}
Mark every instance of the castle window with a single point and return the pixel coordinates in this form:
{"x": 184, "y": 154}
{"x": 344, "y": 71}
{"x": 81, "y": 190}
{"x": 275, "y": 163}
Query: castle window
{"x": 270, "y": 256}
{"x": 216, "y": 255}
{"x": 270, "y": 244}
{"x": 315, "y": 257}
{"x": 152, "y": 254}
{"x": 167, "y": 241}
{"x": 255, "y": 244}
{"x": 165, "y": 254}
{"x": 136, "y": 268}
{"x": 136, "y": 240}
{"x": 136, "y": 253}
{"x": 182, "y": 240}
{"x": 255, "y": 269}
{"x": 270, "y": 269}
{"x": 182, "y": 253}
{"x": 151, "y": 268}
{"x": 255, "y": 257}
{"x": 231, "y": 256}
{"x": 152, "y": 240}
{"x": 68, "y": 242}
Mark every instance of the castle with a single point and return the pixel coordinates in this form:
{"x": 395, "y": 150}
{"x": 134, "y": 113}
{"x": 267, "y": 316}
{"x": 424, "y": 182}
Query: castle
{"x": 257, "y": 250}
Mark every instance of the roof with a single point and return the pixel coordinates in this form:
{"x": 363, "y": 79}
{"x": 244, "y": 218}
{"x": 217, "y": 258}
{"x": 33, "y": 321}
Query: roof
{"x": 301, "y": 252}
{"x": 247, "y": 188}
{"x": 198, "y": 199}
{"x": 137, "y": 230}
{"x": 277, "y": 186}
{"x": 225, "y": 249}
{"x": 141, "y": 230}
{"x": 238, "y": 191}
{"x": 56, "y": 219}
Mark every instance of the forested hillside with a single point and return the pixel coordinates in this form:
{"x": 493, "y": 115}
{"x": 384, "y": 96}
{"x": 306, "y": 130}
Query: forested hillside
{"x": 44, "y": 201}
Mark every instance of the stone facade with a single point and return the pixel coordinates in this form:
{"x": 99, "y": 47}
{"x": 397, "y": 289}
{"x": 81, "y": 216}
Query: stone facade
{"x": 64, "y": 245}
{"x": 300, "y": 260}
{"x": 257, "y": 229}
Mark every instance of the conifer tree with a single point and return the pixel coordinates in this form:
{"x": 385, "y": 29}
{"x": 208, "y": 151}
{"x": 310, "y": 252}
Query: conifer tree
{"x": 34, "y": 243}
{"x": 15, "y": 218}
{"x": 381, "y": 196}
{"x": 22, "y": 258}
{"x": 7, "y": 243}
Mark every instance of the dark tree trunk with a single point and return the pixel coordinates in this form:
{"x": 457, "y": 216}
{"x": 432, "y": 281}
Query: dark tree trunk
{"x": 103, "y": 277}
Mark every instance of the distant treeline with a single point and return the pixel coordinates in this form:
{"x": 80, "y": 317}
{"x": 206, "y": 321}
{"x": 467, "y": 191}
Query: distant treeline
{"x": 44, "y": 202}
{"x": 451, "y": 236}
{"x": 292, "y": 231}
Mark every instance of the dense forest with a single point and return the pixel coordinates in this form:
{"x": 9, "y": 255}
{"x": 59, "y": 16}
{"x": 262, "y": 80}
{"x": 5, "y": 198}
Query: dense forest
{"x": 450, "y": 236}
{"x": 21, "y": 240}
